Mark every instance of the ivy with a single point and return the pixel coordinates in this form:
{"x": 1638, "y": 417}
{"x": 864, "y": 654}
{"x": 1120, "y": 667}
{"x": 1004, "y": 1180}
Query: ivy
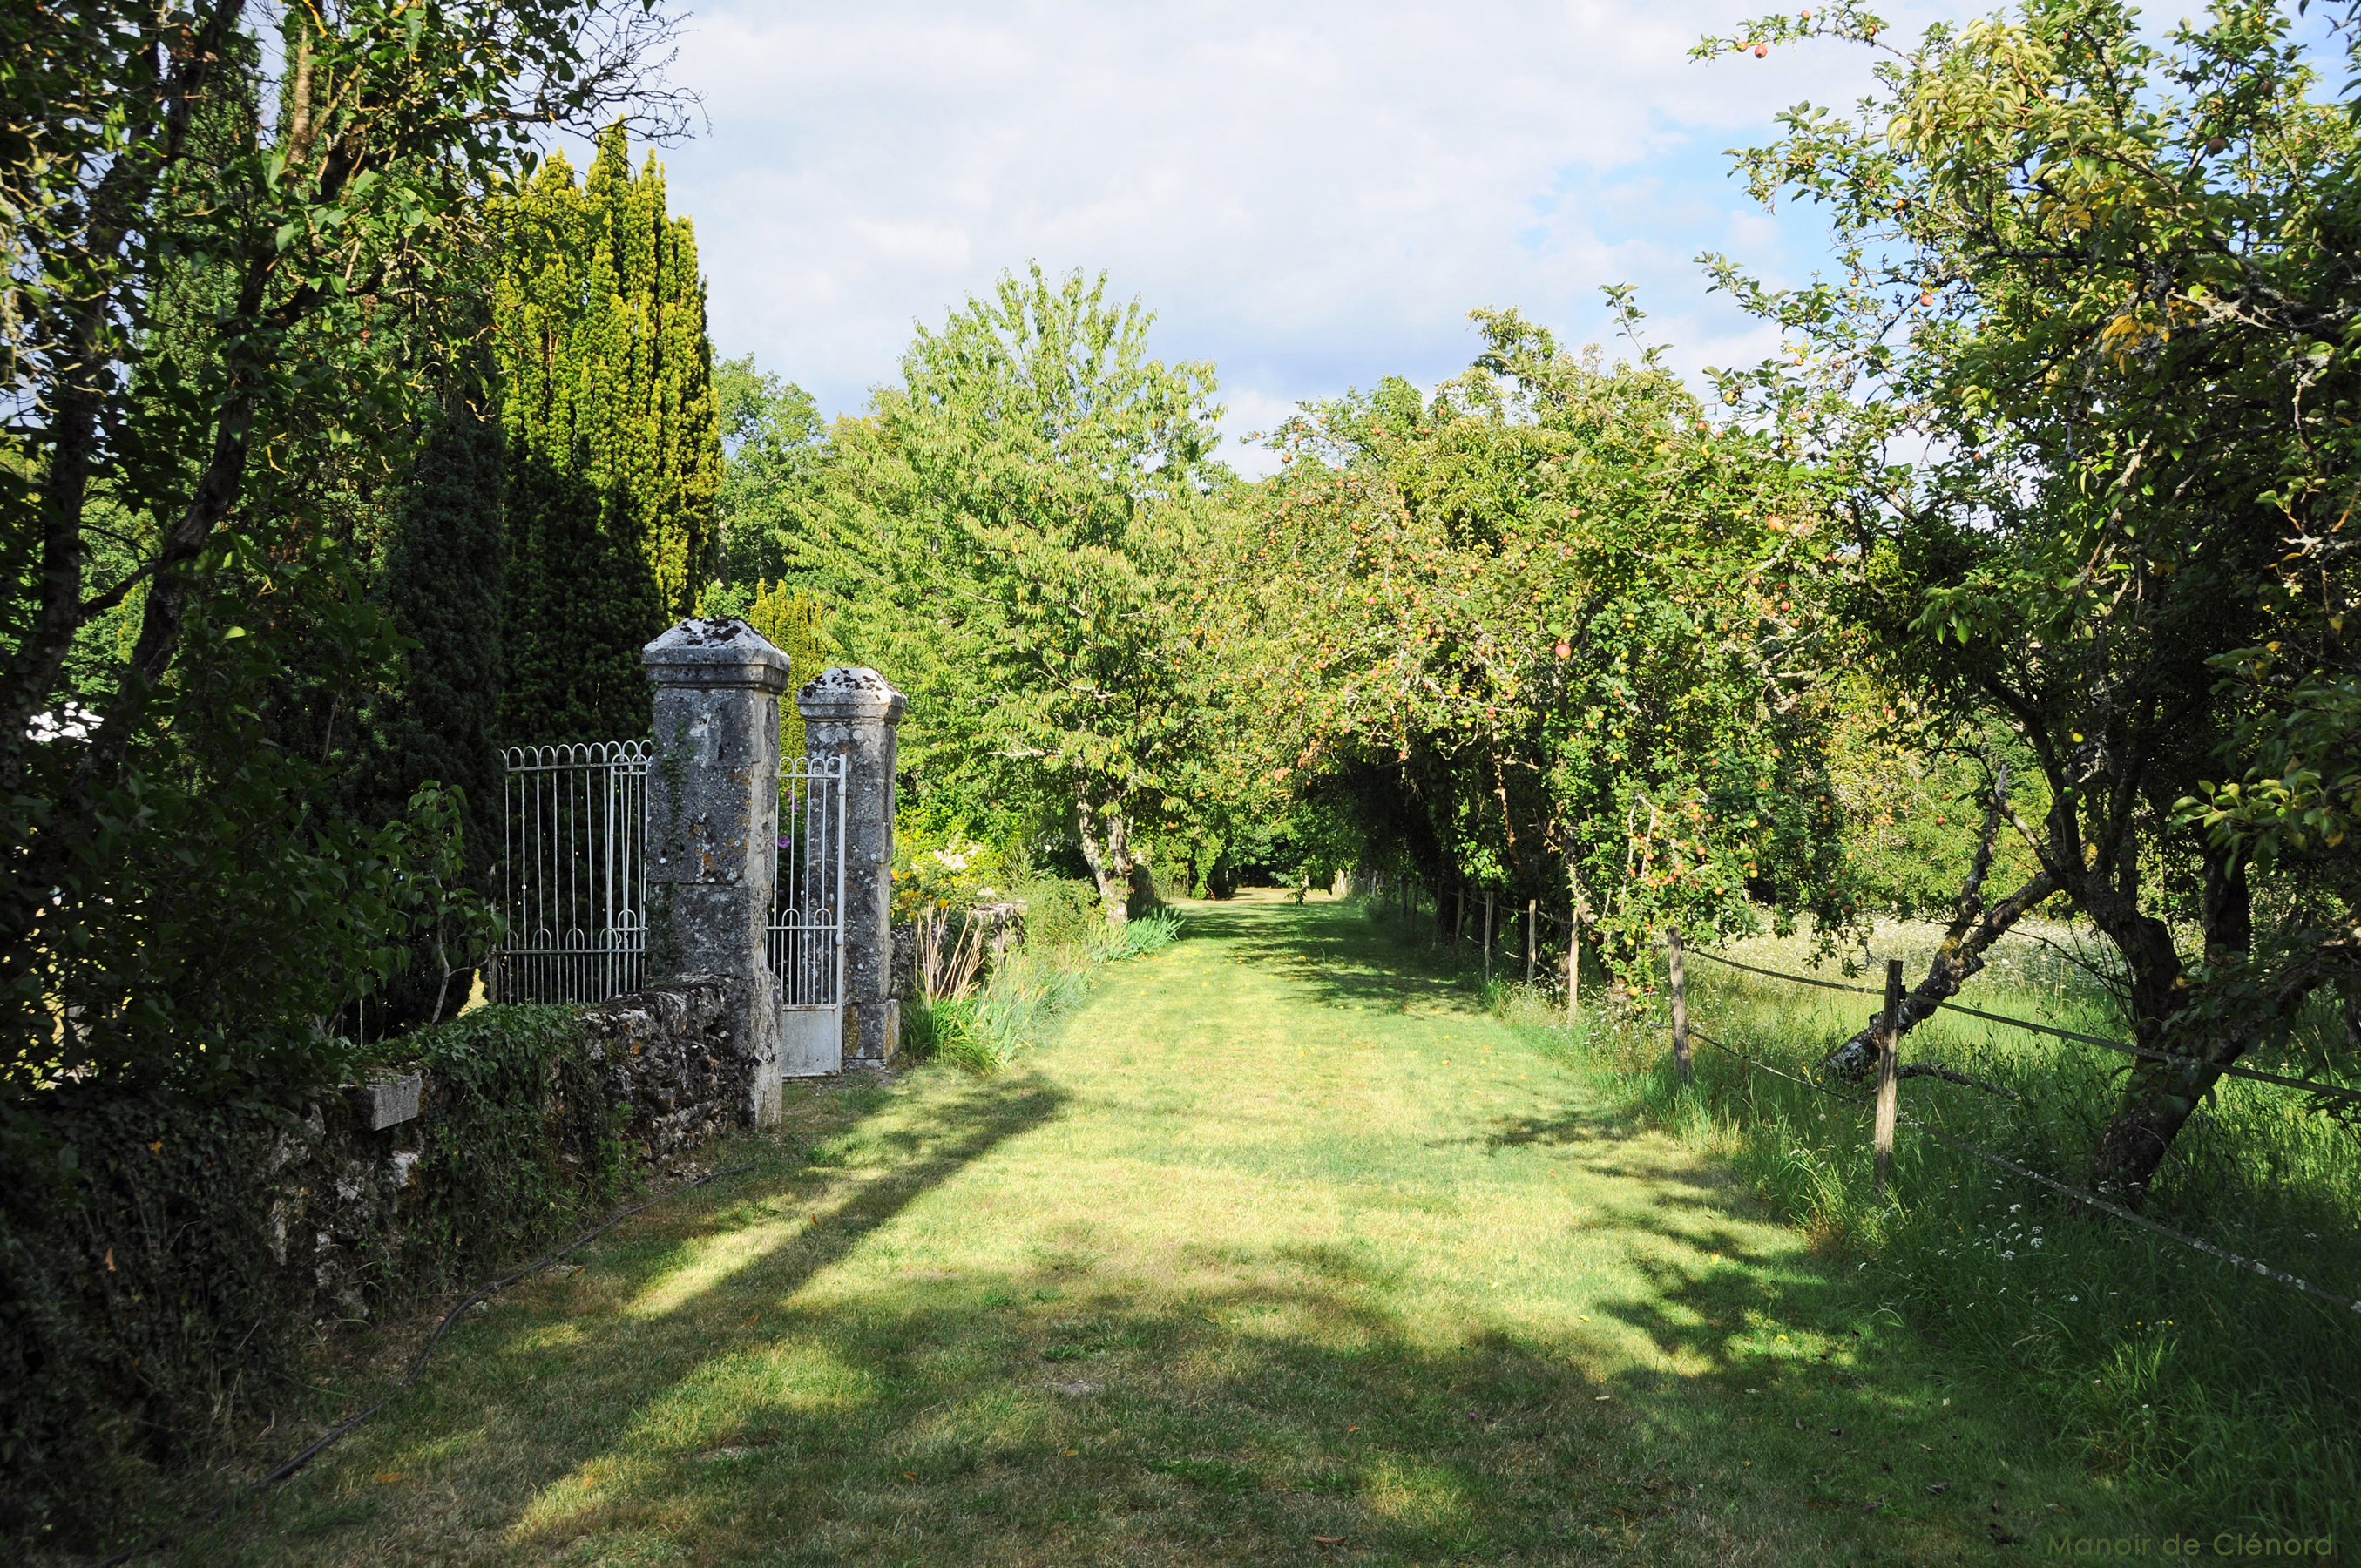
{"x": 141, "y": 1302}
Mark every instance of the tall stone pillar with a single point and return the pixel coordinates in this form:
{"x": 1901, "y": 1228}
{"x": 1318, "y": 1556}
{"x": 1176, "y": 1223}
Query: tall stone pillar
{"x": 713, "y": 824}
{"x": 855, "y": 714}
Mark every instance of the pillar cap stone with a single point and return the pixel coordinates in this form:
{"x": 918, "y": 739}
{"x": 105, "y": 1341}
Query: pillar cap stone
{"x": 851, "y": 693}
{"x": 716, "y": 653}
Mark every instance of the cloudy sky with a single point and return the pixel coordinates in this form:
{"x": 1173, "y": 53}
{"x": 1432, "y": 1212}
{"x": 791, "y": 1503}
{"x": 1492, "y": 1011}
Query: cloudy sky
{"x": 1310, "y": 195}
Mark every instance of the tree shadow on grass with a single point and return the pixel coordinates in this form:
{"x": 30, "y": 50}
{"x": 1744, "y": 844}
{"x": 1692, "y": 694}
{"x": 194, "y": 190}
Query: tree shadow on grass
{"x": 1145, "y": 1401}
{"x": 1055, "y": 1415}
{"x": 1338, "y": 955}
{"x": 490, "y": 1376}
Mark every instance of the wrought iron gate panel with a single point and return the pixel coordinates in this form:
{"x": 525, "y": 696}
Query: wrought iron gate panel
{"x": 805, "y": 937}
{"x": 575, "y": 859}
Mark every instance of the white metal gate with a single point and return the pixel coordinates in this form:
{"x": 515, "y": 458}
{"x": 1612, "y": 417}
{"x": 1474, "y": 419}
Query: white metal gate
{"x": 575, "y": 871}
{"x": 806, "y": 939}
{"x": 575, "y": 884}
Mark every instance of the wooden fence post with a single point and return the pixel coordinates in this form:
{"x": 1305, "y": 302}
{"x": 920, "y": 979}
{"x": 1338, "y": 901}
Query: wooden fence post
{"x": 1680, "y": 1003}
{"x": 1889, "y": 1084}
{"x": 1489, "y": 897}
{"x": 1531, "y": 907}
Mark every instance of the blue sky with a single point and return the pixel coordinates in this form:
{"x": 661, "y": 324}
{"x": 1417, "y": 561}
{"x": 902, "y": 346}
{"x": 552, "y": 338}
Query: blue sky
{"x": 1310, "y": 195}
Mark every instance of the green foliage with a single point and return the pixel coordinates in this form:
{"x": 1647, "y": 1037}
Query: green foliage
{"x": 1026, "y": 993}
{"x": 1061, "y": 913}
{"x": 523, "y": 1144}
{"x": 138, "y": 1289}
{"x": 946, "y": 869}
{"x": 613, "y": 441}
{"x": 797, "y": 623}
{"x": 225, "y": 350}
{"x": 1012, "y": 530}
{"x": 254, "y": 920}
{"x": 1027, "y": 990}
{"x": 772, "y": 447}
{"x": 1149, "y": 933}
{"x": 436, "y": 721}
{"x": 1588, "y": 633}
{"x": 2115, "y": 1335}
{"x": 2105, "y": 281}
{"x": 142, "y": 1299}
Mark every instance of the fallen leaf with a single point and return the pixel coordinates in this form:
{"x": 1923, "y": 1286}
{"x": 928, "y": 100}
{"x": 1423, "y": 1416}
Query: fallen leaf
{"x": 907, "y": 1476}
{"x": 388, "y": 1480}
{"x": 110, "y": 1260}
{"x": 1602, "y": 1398}
{"x": 1836, "y": 1431}
{"x": 1351, "y": 1429}
{"x": 1938, "y": 1488}
{"x": 1327, "y": 1540}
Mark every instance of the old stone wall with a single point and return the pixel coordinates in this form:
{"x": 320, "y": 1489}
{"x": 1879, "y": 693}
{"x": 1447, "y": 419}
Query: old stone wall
{"x": 668, "y": 1068}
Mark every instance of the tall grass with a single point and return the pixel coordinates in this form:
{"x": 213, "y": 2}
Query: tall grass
{"x": 2235, "y": 1398}
{"x": 1030, "y": 987}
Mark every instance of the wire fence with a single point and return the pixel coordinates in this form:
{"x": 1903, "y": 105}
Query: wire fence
{"x": 1683, "y": 1032}
{"x": 2228, "y": 1070}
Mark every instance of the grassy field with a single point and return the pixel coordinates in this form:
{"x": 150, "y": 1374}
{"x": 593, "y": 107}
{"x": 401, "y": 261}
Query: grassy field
{"x": 2232, "y": 1402}
{"x": 1278, "y": 1249}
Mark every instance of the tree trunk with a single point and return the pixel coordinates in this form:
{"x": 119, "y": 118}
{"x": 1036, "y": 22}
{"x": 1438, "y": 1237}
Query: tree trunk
{"x": 2159, "y": 1096}
{"x": 1109, "y": 858}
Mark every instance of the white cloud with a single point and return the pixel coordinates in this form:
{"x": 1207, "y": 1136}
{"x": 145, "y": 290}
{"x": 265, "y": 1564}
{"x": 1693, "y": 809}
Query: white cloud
{"x": 1311, "y": 197}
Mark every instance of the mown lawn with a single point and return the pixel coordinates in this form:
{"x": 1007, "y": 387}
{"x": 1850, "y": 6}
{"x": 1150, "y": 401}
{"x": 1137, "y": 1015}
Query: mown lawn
{"x": 1278, "y": 1251}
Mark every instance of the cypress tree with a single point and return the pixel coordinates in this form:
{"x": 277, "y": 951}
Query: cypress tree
{"x": 797, "y": 623}
{"x": 614, "y": 446}
{"x": 439, "y": 581}
{"x": 442, "y": 579}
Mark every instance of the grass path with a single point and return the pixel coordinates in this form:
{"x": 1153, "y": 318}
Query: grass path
{"x": 1279, "y": 1252}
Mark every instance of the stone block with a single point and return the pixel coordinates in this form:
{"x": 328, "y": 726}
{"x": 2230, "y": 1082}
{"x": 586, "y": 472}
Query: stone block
{"x": 386, "y": 1102}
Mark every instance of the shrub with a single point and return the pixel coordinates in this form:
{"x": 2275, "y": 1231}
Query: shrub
{"x": 1151, "y": 933}
{"x": 1063, "y": 912}
{"x": 520, "y": 1142}
{"x": 137, "y": 1288}
{"x": 143, "y": 1301}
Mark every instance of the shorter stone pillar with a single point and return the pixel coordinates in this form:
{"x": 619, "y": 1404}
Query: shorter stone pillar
{"x": 713, "y": 824}
{"x": 857, "y": 715}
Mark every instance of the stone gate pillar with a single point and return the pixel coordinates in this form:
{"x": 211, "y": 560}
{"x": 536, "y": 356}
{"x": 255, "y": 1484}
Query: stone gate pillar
{"x": 857, "y": 715}
{"x": 713, "y": 824}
